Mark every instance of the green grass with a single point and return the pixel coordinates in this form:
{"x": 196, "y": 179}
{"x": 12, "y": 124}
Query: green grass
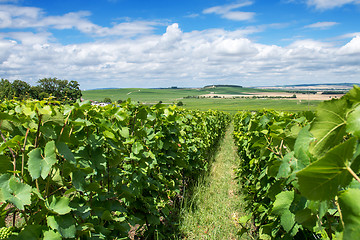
{"x": 143, "y": 95}
{"x": 172, "y": 96}
{"x": 215, "y": 206}
{"x": 239, "y": 104}
{"x": 150, "y": 95}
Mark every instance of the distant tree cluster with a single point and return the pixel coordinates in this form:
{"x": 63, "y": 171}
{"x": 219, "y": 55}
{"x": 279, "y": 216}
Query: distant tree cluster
{"x": 234, "y": 86}
{"x": 62, "y": 90}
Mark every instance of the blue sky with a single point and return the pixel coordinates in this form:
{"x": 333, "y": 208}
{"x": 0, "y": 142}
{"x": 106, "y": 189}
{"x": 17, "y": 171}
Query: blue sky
{"x": 138, "y": 43}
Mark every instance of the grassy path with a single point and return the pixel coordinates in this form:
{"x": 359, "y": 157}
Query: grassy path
{"x": 213, "y": 210}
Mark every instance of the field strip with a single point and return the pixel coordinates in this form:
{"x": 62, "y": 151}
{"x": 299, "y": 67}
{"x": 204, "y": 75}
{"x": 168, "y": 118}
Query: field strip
{"x": 213, "y": 211}
{"x": 299, "y": 96}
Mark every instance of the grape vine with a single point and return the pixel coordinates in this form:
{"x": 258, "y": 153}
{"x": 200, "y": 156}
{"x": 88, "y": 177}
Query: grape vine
{"x": 299, "y": 172}
{"x": 114, "y": 172}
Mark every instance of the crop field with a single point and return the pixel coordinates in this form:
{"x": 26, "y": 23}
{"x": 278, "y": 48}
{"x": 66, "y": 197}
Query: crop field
{"x": 164, "y": 95}
{"x": 190, "y": 100}
{"x": 235, "y": 105}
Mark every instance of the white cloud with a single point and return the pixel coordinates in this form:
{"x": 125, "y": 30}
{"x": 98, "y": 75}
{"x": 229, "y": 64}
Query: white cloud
{"x": 322, "y": 25}
{"x": 16, "y": 17}
{"x": 329, "y": 4}
{"x": 193, "y": 15}
{"x": 351, "y": 48}
{"x": 235, "y": 47}
{"x": 238, "y": 16}
{"x": 135, "y": 56}
{"x": 226, "y": 11}
{"x": 177, "y": 58}
{"x": 28, "y": 38}
{"x": 349, "y": 35}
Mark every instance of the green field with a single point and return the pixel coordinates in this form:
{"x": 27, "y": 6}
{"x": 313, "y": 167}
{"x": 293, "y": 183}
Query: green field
{"x": 235, "y": 105}
{"x": 188, "y": 97}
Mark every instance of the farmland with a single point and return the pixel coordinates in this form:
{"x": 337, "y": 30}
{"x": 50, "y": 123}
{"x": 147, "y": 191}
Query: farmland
{"x": 228, "y": 99}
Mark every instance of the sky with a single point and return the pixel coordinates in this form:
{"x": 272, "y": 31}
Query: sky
{"x": 183, "y": 43}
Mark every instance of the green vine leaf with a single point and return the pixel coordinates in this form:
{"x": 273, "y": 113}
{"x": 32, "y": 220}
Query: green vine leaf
{"x": 329, "y": 126}
{"x": 59, "y": 205}
{"x": 65, "y": 225}
{"x": 350, "y": 209}
{"x": 353, "y": 124}
{"x": 51, "y": 235}
{"x": 321, "y": 180}
{"x": 282, "y": 208}
{"x": 12, "y": 190}
{"x": 301, "y": 147}
{"x": 39, "y": 165}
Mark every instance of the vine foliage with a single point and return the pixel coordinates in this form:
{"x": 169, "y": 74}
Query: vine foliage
{"x": 299, "y": 172}
{"x": 85, "y": 172}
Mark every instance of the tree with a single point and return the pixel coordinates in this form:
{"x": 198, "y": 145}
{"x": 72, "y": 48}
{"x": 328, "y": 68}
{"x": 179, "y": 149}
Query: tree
{"x": 35, "y": 92}
{"x": 6, "y": 89}
{"x": 73, "y": 91}
{"x": 107, "y": 100}
{"x": 21, "y": 89}
{"x": 62, "y": 90}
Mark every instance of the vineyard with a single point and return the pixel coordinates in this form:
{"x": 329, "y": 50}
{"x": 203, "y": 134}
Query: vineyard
{"x": 121, "y": 171}
{"x": 87, "y": 172}
{"x": 299, "y": 171}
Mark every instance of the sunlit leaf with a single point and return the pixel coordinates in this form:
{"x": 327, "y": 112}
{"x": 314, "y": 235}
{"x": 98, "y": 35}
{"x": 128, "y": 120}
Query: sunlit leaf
{"x": 329, "y": 125}
{"x": 39, "y": 165}
{"x": 321, "y": 180}
{"x": 350, "y": 208}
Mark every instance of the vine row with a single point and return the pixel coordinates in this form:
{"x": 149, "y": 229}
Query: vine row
{"x": 299, "y": 172}
{"x": 85, "y": 172}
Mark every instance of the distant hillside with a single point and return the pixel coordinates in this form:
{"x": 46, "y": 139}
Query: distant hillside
{"x": 212, "y": 86}
{"x": 314, "y": 87}
{"x": 322, "y": 84}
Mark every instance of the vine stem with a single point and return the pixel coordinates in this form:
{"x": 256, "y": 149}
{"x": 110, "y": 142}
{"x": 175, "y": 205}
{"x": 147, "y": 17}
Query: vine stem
{"x": 38, "y": 132}
{"x": 62, "y": 130}
{"x": 339, "y": 210}
{"x": 23, "y": 154}
{"x": 353, "y": 173}
{"x": 11, "y": 151}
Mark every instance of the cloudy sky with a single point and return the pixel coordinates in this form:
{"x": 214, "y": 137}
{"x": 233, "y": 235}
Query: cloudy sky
{"x": 185, "y": 43}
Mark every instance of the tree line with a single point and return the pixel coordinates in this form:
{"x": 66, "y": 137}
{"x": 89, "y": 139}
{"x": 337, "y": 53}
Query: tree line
{"x": 62, "y": 90}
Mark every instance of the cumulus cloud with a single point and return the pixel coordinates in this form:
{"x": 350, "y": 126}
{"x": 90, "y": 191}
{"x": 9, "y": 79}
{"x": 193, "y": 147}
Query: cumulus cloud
{"x": 329, "y": 4}
{"x": 321, "y": 25}
{"x": 135, "y": 56}
{"x": 351, "y": 48}
{"x": 228, "y": 11}
{"x": 16, "y": 17}
{"x": 178, "y": 58}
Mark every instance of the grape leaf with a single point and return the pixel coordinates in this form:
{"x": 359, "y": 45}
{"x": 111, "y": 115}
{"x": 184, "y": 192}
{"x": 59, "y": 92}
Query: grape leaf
{"x": 321, "y": 179}
{"x": 65, "y": 225}
{"x": 301, "y": 147}
{"x": 329, "y": 125}
{"x": 65, "y": 152}
{"x": 59, "y": 205}
{"x": 350, "y": 208}
{"x": 282, "y": 208}
{"x": 353, "y": 124}
{"x": 12, "y": 190}
{"x": 51, "y": 235}
{"x": 39, "y": 165}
